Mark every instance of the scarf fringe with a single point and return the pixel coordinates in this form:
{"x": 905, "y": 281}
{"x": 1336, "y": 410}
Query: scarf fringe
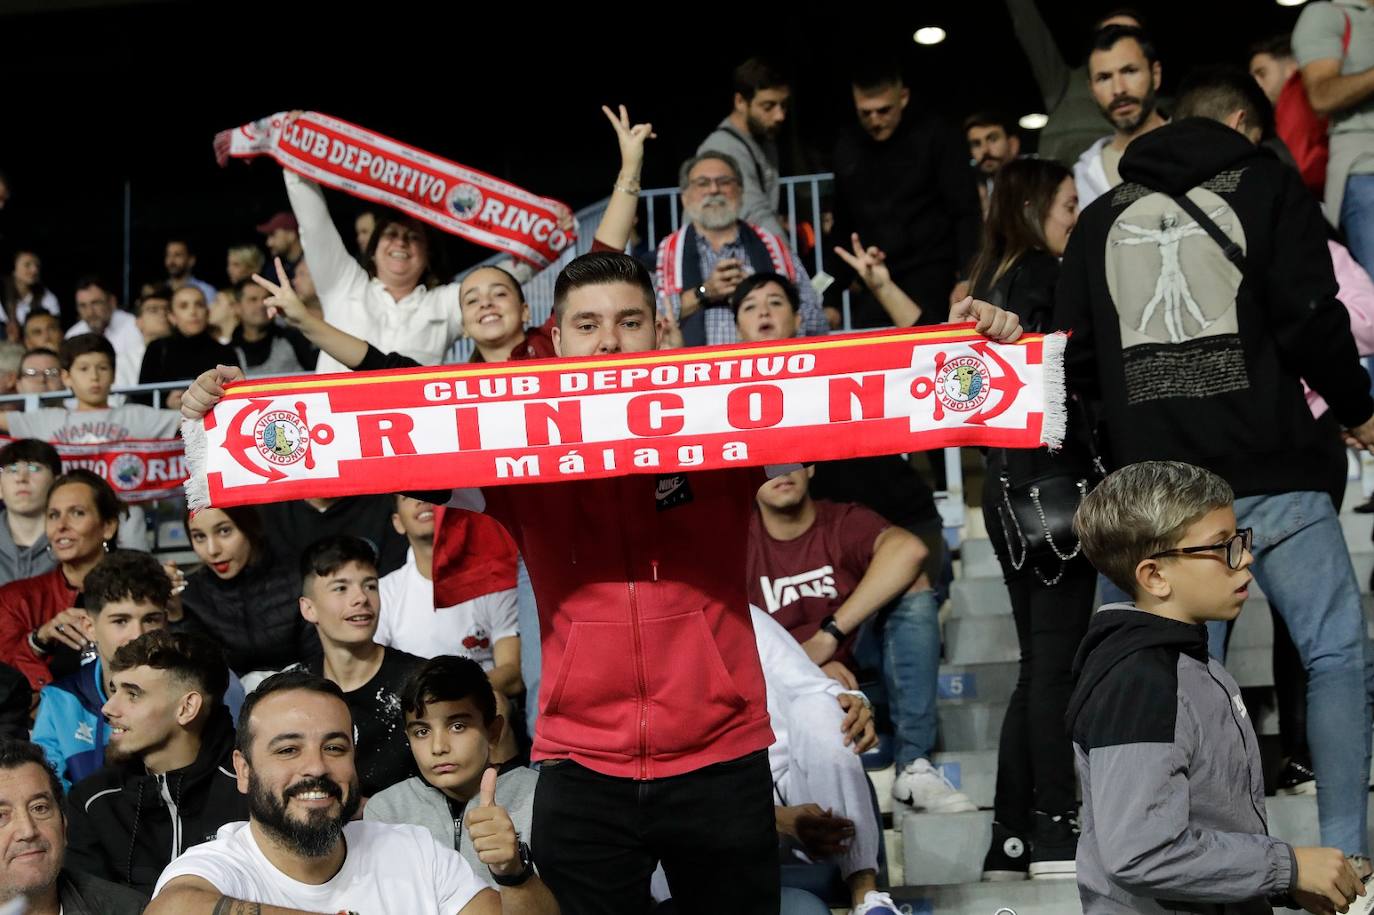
{"x": 1056, "y": 392}
{"x": 198, "y": 483}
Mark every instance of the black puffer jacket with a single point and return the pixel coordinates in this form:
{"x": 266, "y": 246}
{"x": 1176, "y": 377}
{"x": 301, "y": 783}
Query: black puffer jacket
{"x": 254, "y": 616}
{"x": 125, "y": 825}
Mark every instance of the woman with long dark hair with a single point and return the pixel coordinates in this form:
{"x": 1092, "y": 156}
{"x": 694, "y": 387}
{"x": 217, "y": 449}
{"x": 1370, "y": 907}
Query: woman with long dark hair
{"x": 244, "y": 596}
{"x": 22, "y": 291}
{"x": 40, "y": 625}
{"x": 1028, "y": 499}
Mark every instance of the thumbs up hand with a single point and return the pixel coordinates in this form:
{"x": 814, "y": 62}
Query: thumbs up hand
{"x": 491, "y": 831}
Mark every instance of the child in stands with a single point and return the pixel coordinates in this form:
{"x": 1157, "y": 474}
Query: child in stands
{"x": 449, "y": 711}
{"x": 1173, "y": 791}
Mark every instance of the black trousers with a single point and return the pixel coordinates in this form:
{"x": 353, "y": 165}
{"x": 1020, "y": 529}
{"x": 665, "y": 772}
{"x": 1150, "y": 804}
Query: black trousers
{"x": 597, "y": 839}
{"x": 1035, "y": 769}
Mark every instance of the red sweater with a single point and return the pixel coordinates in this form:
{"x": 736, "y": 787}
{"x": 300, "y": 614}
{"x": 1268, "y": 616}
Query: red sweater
{"x": 650, "y": 665}
{"x": 25, "y": 605}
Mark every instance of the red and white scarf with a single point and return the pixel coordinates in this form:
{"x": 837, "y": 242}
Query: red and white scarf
{"x": 453, "y": 197}
{"x": 558, "y": 420}
{"x": 138, "y": 470}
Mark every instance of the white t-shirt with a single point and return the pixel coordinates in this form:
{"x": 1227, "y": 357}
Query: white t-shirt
{"x": 410, "y": 623}
{"x": 389, "y": 868}
{"x": 89, "y": 427}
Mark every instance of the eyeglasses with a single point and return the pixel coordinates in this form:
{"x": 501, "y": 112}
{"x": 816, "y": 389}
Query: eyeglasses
{"x": 706, "y": 184}
{"x": 16, "y": 468}
{"x": 46, "y": 373}
{"x": 1235, "y": 546}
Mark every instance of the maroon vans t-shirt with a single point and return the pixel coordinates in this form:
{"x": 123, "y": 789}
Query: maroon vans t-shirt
{"x": 800, "y": 582}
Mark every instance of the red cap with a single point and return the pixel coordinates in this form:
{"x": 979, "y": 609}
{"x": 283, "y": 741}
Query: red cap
{"x": 279, "y": 221}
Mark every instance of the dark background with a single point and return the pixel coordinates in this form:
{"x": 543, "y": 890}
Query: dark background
{"x": 100, "y": 92}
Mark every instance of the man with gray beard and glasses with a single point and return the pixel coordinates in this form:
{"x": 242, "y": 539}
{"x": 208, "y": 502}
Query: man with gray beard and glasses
{"x": 302, "y": 851}
{"x": 700, "y": 264}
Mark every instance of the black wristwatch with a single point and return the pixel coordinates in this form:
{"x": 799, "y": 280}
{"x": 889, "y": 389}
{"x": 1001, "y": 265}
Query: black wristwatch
{"x": 703, "y": 300}
{"x": 526, "y": 871}
{"x": 829, "y": 625}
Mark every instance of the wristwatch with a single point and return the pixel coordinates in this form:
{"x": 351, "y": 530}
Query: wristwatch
{"x": 526, "y": 871}
{"x": 703, "y": 300}
{"x": 829, "y": 625}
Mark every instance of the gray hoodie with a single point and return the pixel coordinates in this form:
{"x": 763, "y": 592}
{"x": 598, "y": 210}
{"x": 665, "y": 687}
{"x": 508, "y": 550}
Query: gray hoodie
{"x": 18, "y": 562}
{"x": 1173, "y": 792}
{"x": 418, "y": 803}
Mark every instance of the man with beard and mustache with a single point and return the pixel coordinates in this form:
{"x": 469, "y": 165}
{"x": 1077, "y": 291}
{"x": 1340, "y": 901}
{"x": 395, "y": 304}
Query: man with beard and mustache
{"x": 992, "y": 143}
{"x": 33, "y": 843}
{"x": 1124, "y": 73}
{"x": 302, "y": 851}
{"x": 180, "y": 260}
{"x": 749, "y": 133}
{"x": 700, "y": 264}
{"x": 167, "y": 784}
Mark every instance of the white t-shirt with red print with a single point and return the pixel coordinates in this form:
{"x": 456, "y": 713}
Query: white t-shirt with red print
{"x": 410, "y": 622}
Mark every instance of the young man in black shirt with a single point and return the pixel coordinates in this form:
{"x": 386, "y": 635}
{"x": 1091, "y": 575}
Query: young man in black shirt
{"x": 340, "y": 596}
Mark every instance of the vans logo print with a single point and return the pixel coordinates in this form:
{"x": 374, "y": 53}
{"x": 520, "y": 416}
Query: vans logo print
{"x": 780, "y": 592}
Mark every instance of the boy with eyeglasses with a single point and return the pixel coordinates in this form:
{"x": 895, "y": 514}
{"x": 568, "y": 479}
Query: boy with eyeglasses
{"x": 27, "y": 469}
{"x": 1173, "y": 788}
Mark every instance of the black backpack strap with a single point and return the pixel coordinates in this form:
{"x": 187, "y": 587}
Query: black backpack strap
{"x": 1228, "y": 247}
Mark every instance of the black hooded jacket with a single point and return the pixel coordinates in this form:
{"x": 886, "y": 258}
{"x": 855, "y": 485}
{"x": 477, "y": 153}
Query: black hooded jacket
{"x": 125, "y": 825}
{"x": 1191, "y": 359}
{"x": 254, "y": 616}
{"x": 1115, "y": 634}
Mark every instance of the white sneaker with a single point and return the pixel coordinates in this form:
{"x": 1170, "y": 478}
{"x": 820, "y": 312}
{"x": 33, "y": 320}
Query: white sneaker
{"x": 924, "y": 788}
{"x": 876, "y": 903}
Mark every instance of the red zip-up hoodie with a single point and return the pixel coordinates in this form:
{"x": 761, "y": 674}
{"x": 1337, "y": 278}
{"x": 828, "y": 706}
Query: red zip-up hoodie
{"x": 650, "y": 665}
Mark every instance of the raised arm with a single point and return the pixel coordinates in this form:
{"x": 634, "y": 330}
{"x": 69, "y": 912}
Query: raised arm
{"x": 343, "y": 346}
{"x": 868, "y": 264}
{"x": 619, "y": 219}
{"x": 331, "y": 266}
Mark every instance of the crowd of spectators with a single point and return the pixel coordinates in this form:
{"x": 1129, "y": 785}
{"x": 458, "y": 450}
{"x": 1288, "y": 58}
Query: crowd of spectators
{"x": 339, "y": 705}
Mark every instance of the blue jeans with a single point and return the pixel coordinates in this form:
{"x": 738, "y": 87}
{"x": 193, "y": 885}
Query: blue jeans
{"x": 1303, "y": 565}
{"x": 904, "y": 641}
{"x": 1357, "y": 218}
{"x": 530, "y": 657}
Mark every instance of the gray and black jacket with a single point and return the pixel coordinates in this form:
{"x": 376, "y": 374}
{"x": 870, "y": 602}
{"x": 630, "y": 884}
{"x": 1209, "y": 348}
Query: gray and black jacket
{"x": 416, "y": 802}
{"x": 1173, "y": 792}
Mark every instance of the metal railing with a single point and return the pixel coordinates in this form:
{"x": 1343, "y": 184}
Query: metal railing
{"x": 58, "y": 398}
{"x": 157, "y": 512}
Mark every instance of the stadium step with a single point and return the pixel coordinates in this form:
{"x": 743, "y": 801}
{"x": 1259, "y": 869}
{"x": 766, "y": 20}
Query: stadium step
{"x": 969, "y": 725}
{"x": 992, "y": 682}
{"x": 1357, "y": 529}
{"x": 978, "y": 560}
{"x": 979, "y": 597}
{"x": 1029, "y": 897}
{"x": 980, "y": 639}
